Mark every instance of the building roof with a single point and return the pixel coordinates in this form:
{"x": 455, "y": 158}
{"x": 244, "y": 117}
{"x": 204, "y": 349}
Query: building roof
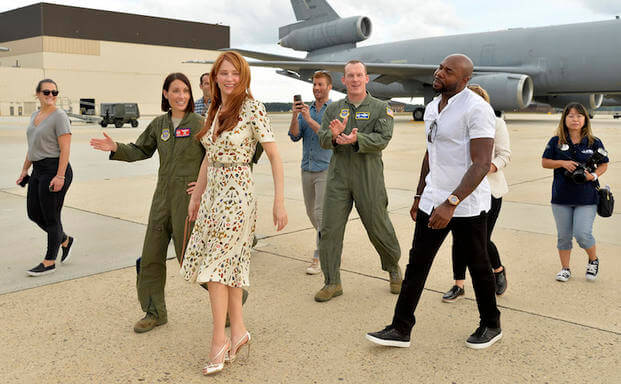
{"x": 44, "y": 19}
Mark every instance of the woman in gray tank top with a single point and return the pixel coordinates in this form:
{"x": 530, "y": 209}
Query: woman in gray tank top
{"x": 49, "y": 141}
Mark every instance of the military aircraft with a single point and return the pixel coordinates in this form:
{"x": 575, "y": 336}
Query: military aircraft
{"x": 552, "y": 65}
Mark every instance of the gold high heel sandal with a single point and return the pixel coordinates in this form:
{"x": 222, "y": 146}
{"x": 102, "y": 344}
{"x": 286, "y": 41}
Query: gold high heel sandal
{"x": 234, "y": 352}
{"x": 212, "y": 366}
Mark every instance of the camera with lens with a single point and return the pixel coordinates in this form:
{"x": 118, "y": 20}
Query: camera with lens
{"x": 578, "y": 175}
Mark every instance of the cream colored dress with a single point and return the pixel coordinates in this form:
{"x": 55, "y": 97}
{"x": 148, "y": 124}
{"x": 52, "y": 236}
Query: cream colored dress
{"x": 219, "y": 247}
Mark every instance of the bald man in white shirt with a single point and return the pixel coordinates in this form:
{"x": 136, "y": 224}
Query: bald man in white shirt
{"x": 453, "y": 195}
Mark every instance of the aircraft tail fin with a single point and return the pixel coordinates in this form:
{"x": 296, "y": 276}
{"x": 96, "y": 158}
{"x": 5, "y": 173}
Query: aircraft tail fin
{"x": 320, "y": 29}
{"x": 308, "y": 12}
{"x": 313, "y": 9}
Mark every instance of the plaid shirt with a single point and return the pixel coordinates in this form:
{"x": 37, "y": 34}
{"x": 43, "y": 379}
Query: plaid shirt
{"x": 201, "y": 107}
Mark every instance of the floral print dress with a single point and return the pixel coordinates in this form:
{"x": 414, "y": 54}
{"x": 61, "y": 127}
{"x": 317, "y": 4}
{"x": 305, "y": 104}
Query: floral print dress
{"x": 219, "y": 247}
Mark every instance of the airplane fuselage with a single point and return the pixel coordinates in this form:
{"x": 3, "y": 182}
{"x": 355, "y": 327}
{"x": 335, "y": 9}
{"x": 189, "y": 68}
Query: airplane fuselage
{"x": 564, "y": 59}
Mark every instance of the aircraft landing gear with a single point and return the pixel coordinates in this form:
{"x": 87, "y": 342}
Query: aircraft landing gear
{"x": 418, "y": 114}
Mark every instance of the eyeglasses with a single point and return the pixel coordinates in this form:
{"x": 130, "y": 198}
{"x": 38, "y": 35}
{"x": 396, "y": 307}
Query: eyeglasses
{"x": 433, "y": 131}
{"x": 47, "y": 92}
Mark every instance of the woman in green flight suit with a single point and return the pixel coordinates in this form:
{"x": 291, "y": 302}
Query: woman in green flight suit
{"x": 180, "y": 155}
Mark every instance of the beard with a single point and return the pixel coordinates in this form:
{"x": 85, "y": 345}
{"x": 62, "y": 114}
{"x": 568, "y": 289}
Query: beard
{"x": 445, "y": 88}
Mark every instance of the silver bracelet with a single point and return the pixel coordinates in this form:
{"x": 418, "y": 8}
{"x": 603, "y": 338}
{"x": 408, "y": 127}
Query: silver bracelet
{"x": 60, "y": 177}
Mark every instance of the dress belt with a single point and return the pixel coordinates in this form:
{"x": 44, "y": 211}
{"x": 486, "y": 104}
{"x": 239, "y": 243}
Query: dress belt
{"x": 217, "y": 164}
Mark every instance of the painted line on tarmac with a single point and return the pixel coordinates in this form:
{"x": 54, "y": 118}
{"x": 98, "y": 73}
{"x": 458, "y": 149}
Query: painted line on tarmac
{"x": 466, "y": 298}
{"x": 81, "y": 209}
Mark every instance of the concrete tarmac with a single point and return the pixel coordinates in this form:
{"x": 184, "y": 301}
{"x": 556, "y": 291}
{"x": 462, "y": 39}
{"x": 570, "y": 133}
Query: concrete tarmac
{"x": 75, "y": 325}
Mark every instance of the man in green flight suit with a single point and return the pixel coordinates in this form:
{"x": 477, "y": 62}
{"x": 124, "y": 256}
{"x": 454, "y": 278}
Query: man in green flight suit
{"x": 356, "y": 174}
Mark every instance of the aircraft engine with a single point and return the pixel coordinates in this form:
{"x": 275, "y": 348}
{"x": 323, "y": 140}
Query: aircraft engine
{"x": 342, "y": 31}
{"x": 507, "y": 91}
{"x": 590, "y": 101}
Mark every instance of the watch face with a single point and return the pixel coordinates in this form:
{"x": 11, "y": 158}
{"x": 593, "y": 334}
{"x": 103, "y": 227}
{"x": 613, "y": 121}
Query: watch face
{"x": 453, "y": 200}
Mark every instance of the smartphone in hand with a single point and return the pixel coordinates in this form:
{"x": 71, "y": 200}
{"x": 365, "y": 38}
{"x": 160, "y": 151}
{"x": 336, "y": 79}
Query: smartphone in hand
{"x": 24, "y": 181}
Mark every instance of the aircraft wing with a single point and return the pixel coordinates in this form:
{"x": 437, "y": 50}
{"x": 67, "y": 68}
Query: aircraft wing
{"x": 388, "y": 72}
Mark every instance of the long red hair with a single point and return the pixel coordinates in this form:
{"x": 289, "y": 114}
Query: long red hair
{"x": 229, "y": 114}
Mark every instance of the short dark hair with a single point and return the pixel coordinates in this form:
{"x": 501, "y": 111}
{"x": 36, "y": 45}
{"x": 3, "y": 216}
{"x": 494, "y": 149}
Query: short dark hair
{"x": 355, "y": 62}
{"x": 200, "y": 80}
{"x": 324, "y": 75}
{"x": 45, "y": 81}
{"x": 169, "y": 79}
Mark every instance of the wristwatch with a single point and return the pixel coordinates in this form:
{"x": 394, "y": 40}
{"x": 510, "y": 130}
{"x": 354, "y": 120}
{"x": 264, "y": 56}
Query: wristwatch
{"x": 453, "y": 200}
{"x": 594, "y": 176}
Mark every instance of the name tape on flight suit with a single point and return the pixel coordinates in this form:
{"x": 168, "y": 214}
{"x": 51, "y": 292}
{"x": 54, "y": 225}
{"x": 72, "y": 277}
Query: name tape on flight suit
{"x": 182, "y": 132}
{"x": 362, "y": 115}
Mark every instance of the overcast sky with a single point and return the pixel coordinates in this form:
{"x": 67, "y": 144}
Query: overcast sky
{"x": 254, "y": 23}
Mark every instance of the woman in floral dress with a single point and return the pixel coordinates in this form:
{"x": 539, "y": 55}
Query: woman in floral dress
{"x": 224, "y": 204}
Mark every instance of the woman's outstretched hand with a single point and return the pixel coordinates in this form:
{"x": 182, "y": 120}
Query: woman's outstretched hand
{"x": 106, "y": 144}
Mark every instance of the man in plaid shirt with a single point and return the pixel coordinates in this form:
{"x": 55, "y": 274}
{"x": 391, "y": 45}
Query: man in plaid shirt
{"x": 202, "y": 105}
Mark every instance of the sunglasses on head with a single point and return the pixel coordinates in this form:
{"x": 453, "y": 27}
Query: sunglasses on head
{"x": 433, "y": 131}
{"x": 47, "y": 92}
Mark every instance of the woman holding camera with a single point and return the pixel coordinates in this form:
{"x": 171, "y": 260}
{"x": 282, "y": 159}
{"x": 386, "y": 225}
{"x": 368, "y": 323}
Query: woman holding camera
{"x": 578, "y": 159}
{"x": 49, "y": 141}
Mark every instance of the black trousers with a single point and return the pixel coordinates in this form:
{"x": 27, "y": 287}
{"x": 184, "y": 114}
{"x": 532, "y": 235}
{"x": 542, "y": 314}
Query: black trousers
{"x": 470, "y": 235}
{"x": 459, "y": 263}
{"x": 44, "y": 207}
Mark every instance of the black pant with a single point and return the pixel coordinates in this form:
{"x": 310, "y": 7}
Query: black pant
{"x": 459, "y": 263}
{"x": 469, "y": 233}
{"x": 44, "y": 206}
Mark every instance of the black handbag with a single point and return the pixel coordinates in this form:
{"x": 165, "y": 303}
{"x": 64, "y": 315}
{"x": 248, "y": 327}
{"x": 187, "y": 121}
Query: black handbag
{"x": 606, "y": 203}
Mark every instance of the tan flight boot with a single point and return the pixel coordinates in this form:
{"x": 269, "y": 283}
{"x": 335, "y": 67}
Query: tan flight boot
{"x": 395, "y": 281}
{"x": 328, "y": 291}
{"x": 148, "y": 322}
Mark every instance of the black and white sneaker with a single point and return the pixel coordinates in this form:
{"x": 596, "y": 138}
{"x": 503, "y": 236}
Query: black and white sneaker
{"x": 563, "y": 275}
{"x": 592, "y": 269}
{"x": 389, "y": 337}
{"x": 41, "y": 270}
{"x": 64, "y": 259}
{"x": 483, "y": 337}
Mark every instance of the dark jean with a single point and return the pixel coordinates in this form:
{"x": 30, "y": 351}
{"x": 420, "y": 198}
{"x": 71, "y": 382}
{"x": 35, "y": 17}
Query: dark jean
{"x": 44, "y": 207}
{"x": 459, "y": 263}
{"x": 469, "y": 235}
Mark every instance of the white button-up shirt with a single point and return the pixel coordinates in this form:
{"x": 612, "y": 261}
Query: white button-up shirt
{"x": 467, "y": 116}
